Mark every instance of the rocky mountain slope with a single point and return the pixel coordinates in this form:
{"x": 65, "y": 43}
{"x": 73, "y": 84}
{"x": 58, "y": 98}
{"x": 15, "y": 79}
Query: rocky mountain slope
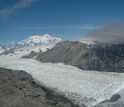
{"x": 88, "y": 57}
{"x": 18, "y": 89}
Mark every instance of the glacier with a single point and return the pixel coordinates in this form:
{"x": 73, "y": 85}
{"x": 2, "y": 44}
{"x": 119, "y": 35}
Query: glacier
{"x": 82, "y": 87}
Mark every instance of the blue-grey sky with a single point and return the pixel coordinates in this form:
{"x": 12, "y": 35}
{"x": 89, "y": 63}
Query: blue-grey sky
{"x": 67, "y": 19}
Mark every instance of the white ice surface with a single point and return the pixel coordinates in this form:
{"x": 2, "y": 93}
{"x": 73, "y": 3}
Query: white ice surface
{"x": 1, "y": 50}
{"x": 18, "y": 53}
{"x": 82, "y": 87}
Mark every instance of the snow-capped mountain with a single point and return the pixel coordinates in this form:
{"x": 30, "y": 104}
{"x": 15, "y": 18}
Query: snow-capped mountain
{"x": 34, "y": 41}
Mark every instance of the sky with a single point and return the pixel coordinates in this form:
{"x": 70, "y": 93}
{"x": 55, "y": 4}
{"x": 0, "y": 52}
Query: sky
{"x": 67, "y": 19}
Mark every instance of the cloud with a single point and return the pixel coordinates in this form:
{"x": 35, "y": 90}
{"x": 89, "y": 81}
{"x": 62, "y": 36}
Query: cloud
{"x": 112, "y": 33}
{"x": 6, "y": 12}
{"x": 87, "y": 27}
{"x": 76, "y": 27}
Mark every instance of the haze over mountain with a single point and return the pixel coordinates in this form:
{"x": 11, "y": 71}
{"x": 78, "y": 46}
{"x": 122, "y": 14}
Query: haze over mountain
{"x": 107, "y": 34}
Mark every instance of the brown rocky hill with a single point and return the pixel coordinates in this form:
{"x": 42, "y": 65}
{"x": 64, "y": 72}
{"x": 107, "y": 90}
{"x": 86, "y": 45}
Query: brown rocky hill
{"x": 99, "y": 57}
{"x": 18, "y": 89}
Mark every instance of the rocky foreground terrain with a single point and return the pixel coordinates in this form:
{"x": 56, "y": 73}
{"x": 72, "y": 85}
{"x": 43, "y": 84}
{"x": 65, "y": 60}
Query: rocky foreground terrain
{"x": 98, "y": 57}
{"x": 18, "y": 89}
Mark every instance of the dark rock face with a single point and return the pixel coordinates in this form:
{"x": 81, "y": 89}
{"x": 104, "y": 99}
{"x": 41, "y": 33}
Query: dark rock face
{"x": 117, "y": 100}
{"x": 31, "y": 55}
{"x": 6, "y": 52}
{"x": 114, "y": 98}
{"x": 18, "y": 89}
{"x": 93, "y": 57}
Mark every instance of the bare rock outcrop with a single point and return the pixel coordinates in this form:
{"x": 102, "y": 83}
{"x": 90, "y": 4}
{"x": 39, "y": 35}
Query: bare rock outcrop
{"x": 18, "y": 89}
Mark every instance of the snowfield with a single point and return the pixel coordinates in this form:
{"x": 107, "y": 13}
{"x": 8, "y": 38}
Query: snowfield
{"x": 19, "y": 52}
{"x": 82, "y": 87}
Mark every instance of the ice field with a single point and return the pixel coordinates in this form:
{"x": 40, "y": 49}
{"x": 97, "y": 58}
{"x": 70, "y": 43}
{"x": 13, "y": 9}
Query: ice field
{"x": 82, "y": 87}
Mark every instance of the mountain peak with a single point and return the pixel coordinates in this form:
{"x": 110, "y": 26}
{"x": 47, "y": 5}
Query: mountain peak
{"x": 38, "y": 36}
{"x": 34, "y": 41}
{"x": 47, "y": 35}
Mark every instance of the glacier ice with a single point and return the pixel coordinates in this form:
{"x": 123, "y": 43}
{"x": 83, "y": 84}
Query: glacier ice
{"x": 82, "y": 87}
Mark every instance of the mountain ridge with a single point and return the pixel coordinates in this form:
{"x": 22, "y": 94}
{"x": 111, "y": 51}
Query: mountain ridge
{"x": 34, "y": 41}
{"x": 87, "y": 57}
